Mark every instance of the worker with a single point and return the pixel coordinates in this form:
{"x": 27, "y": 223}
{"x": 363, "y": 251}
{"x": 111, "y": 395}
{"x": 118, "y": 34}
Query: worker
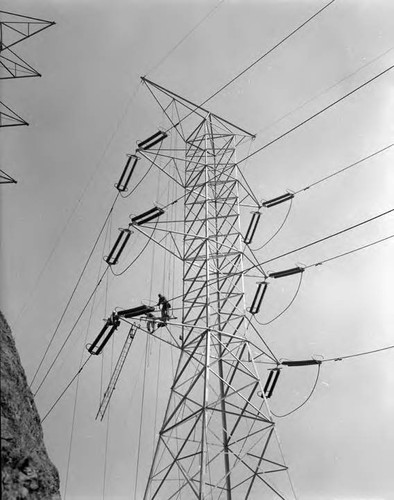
{"x": 113, "y": 319}
{"x": 165, "y": 308}
{"x": 150, "y": 322}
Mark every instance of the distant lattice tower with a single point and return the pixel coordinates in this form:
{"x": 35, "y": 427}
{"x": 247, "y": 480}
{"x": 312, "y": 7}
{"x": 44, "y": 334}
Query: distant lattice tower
{"x": 15, "y": 28}
{"x": 217, "y": 439}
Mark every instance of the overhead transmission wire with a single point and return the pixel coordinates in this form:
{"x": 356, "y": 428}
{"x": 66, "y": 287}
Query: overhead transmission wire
{"x": 281, "y": 136}
{"x": 324, "y": 238}
{"x": 255, "y": 62}
{"x": 324, "y": 91}
{"x": 108, "y": 423}
{"x": 350, "y": 251}
{"x": 78, "y": 378}
{"x": 81, "y": 197}
{"x": 71, "y": 331}
{"x": 75, "y": 288}
{"x": 190, "y": 32}
{"x": 356, "y": 355}
{"x": 319, "y": 181}
{"x": 323, "y": 179}
{"x": 338, "y": 358}
{"x": 268, "y": 52}
{"x": 65, "y": 389}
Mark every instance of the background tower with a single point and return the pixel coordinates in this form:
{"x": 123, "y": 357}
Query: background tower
{"x": 15, "y": 28}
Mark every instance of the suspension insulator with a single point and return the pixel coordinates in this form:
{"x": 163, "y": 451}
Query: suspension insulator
{"x": 118, "y": 248}
{"x": 152, "y": 140}
{"x": 108, "y": 329}
{"x": 252, "y": 227}
{"x": 271, "y": 382}
{"x": 136, "y": 311}
{"x": 286, "y": 272}
{"x": 278, "y": 200}
{"x": 127, "y": 173}
{"x": 151, "y": 214}
{"x": 258, "y": 298}
{"x": 302, "y": 362}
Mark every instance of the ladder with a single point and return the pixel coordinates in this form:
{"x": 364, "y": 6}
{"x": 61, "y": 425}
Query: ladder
{"x": 116, "y": 373}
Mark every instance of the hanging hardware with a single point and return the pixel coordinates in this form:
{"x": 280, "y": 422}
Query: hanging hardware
{"x": 111, "y": 324}
{"x": 286, "y": 272}
{"x": 302, "y": 362}
{"x": 127, "y": 173}
{"x": 278, "y": 200}
{"x": 258, "y": 298}
{"x": 152, "y": 140}
{"x": 118, "y": 248}
{"x": 252, "y": 227}
{"x": 151, "y": 214}
{"x": 135, "y": 311}
{"x": 271, "y": 382}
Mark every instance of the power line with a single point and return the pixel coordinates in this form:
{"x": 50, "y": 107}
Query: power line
{"x": 184, "y": 38}
{"x": 345, "y": 168}
{"x": 71, "y": 331}
{"x": 316, "y": 114}
{"x": 350, "y": 251}
{"x": 253, "y": 64}
{"x": 323, "y": 92}
{"x": 82, "y": 195}
{"x": 365, "y": 353}
{"x": 75, "y": 288}
{"x": 323, "y": 239}
{"x": 268, "y": 52}
{"x": 65, "y": 389}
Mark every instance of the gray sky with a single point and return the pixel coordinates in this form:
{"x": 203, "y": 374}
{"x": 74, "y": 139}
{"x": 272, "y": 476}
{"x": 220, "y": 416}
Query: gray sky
{"x": 87, "y": 112}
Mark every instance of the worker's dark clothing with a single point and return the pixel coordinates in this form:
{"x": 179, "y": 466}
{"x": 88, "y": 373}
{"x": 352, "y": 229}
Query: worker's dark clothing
{"x": 150, "y": 322}
{"x": 165, "y": 308}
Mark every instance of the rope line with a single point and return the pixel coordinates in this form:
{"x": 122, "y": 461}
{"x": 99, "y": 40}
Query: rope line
{"x": 323, "y": 239}
{"x": 74, "y": 290}
{"x": 306, "y": 400}
{"x": 286, "y": 308}
{"x": 345, "y": 168}
{"x": 316, "y": 114}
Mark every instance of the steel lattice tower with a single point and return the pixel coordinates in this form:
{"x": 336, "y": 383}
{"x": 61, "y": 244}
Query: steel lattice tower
{"x": 217, "y": 439}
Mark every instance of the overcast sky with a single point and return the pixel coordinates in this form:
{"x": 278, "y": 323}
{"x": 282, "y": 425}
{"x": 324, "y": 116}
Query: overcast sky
{"x": 87, "y": 112}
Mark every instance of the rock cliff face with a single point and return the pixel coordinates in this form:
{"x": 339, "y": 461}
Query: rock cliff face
{"x": 26, "y": 471}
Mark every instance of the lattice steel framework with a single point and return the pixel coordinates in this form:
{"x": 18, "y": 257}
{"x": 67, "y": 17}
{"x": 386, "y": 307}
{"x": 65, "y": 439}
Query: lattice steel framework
{"x": 14, "y": 29}
{"x": 217, "y": 439}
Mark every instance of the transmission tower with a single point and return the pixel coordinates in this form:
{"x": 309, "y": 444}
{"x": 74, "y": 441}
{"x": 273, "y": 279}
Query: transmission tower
{"x": 14, "y": 29}
{"x": 217, "y": 439}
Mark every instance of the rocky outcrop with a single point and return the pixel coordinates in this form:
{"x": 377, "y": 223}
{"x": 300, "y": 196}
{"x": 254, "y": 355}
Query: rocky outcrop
{"x": 26, "y": 471}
